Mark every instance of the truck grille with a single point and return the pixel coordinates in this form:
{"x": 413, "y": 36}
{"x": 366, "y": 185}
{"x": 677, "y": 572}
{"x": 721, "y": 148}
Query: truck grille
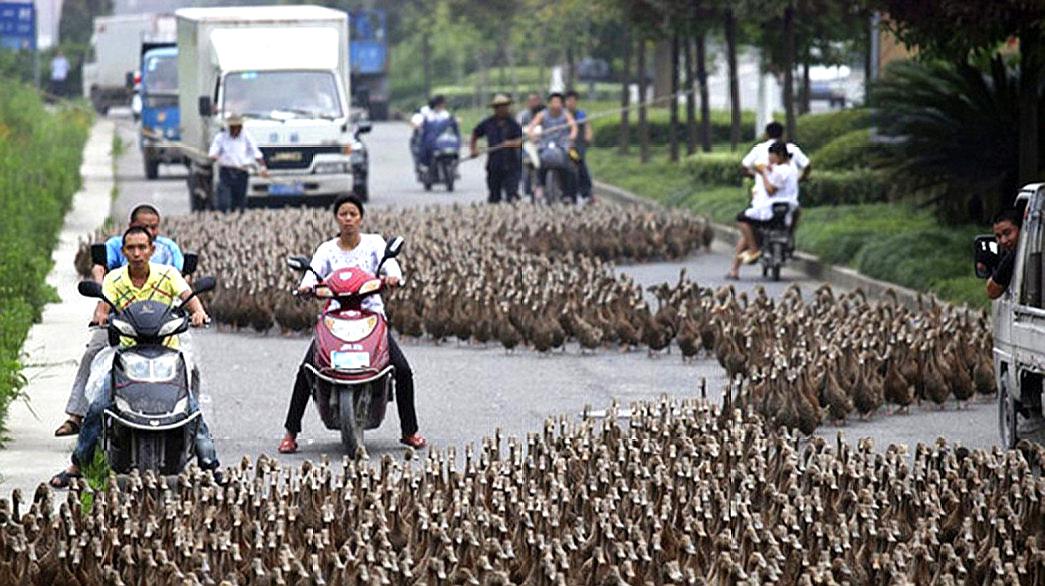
{"x": 296, "y": 157}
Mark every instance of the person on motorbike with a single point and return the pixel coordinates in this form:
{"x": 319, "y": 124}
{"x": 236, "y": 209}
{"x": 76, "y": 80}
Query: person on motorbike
{"x": 759, "y": 155}
{"x": 780, "y": 184}
{"x": 558, "y": 130}
{"x": 439, "y": 121}
{"x": 534, "y": 104}
{"x": 417, "y": 120}
{"x": 139, "y": 280}
{"x": 166, "y": 252}
{"x": 585, "y": 136}
{"x": 353, "y": 248}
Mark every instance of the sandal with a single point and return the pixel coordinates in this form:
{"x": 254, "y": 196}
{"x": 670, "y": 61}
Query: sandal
{"x": 416, "y": 441}
{"x": 289, "y": 445}
{"x": 70, "y": 427}
{"x": 63, "y": 479}
{"x": 752, "y": 256}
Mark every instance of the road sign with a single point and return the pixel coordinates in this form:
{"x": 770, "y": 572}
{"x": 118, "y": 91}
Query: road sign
{"x": 18, "y": 26}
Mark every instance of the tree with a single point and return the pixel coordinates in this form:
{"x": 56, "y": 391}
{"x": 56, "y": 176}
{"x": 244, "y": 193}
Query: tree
{"x": 958, "y": 30}
{"x": 730, "y": 29}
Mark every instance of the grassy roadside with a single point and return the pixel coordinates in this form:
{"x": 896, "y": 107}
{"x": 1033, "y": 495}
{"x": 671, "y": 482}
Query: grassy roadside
{"x": 40, "y": 154}
{"x": 891, "y": 241}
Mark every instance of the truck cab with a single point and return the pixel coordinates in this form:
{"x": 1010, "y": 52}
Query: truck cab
{"x": 158, "y": 90}
{"x": 1019, "y": 319}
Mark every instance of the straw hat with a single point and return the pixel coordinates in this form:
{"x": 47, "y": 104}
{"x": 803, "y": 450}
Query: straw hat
{"x": 234, "y": 120}
{"x": 500, "y": 100}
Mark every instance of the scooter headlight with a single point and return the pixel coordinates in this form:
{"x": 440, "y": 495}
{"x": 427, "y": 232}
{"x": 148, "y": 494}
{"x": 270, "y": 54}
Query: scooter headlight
{"x": 351, "y": 330}
{"x": 150, "y": 370}
{"x": 124, "y": 327}
{"x": 370, "y": 286}
{"x": 122, "y": 404}
{"x": 171, "y": 326}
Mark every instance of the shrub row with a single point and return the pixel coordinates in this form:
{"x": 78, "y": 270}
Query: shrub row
{"x": 608, "y": 129}
{"x": 816, "y": 130}
{"x": 40, "y": 155}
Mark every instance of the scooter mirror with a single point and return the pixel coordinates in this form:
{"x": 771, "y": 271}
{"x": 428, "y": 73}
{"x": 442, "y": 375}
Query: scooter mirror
{"x": 298, "y": 263}
{"x": 90, "y": 289}
{"x": 204, "y": 284}
{"x": 190, "y": 263}
{"x": 99, "y": 255}
{"x": 394, "y": 246}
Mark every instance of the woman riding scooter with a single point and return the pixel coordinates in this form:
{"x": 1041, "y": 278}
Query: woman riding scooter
{"x": 353, "y": 249}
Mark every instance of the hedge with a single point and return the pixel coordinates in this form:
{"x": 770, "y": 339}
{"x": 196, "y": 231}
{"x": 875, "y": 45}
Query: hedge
{"x": 816, "y": 130}
{"x": 716, "y": 168}
{"x": 852, "y": 150}
{"x": 40, "y": 155}
{"x": 608, "y": 129}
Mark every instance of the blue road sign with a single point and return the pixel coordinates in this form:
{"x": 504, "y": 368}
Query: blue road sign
{"x": 18, "y": 26}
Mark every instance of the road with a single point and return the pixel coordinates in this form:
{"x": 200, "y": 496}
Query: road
{"x": 466, "y": 392}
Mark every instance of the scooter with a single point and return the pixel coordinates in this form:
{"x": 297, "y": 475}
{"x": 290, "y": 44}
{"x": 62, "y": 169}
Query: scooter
{"x": 776, "y": 241}
{"x": 150, "y": 425}
{"x": 445, "y": 158}
{"x": 351, "y": 374}
{"x": 555, "y": 158}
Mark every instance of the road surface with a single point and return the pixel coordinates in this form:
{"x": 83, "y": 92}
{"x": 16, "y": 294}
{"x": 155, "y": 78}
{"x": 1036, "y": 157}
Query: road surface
{"x": 466, "y": 392}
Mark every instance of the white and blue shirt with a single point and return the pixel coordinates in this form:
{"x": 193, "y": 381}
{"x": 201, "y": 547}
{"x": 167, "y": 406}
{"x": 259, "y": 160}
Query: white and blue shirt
{"x": 167, "y": 253}
{"x": 330, "y": 257}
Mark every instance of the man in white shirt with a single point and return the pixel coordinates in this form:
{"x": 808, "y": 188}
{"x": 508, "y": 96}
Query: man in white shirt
{"x": 780, "y": 184}
{"x": 235, "y": 151}
{"x": 759, "y": 155}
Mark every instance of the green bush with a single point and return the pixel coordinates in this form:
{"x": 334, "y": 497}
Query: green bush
{"x": 816, "y": 130}
{"x": 827, "y": 188}
{"x": 852, "y": 150}
{"x": 608, "y": 129}
{"x": 39, "y": 173}
{"x": 716, "y": 168}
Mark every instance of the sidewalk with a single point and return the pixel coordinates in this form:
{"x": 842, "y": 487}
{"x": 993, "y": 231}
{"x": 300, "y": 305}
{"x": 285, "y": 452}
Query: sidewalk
{"x": 54, "y": 346}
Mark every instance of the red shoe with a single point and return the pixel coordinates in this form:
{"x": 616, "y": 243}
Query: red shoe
{"x": 416, "y": 441}
{"x": 289, "y": 445}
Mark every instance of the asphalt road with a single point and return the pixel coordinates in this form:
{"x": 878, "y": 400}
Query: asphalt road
{"x": 466, "y": 392}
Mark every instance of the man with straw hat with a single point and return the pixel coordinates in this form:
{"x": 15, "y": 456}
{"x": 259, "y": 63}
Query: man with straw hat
{"x": 503, "y": 138}
{"x": 235, "y": 151}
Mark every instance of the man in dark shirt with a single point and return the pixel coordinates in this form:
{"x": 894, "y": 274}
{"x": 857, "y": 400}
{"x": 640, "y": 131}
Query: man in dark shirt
{"x": 503, "y": 139}
{"x": 1007, "y": 231}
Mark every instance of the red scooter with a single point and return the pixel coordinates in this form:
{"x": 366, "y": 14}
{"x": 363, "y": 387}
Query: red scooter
{"x": 351, "y": 377}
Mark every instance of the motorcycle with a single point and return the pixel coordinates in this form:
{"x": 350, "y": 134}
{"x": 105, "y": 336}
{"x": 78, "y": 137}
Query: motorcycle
{"x": 351, "y": 371}
{"x": 444, "y": 160}
{"x": 149, "y": 425}
{"x": 776, "y": 241}
{"x": 556, "y": 160}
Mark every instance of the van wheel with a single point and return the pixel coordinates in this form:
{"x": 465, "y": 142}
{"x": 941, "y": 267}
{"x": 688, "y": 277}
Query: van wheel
{"x": 1007, "y": 416}
{"x": 152, "y": 168}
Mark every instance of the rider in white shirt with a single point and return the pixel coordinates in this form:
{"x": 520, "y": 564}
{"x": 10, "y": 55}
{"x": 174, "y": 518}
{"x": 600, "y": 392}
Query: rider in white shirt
{"x": 780, "y": 180}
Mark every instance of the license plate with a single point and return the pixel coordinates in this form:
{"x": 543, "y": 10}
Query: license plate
{"x": 286, "y": 189}
{"x": 349, "y": 360}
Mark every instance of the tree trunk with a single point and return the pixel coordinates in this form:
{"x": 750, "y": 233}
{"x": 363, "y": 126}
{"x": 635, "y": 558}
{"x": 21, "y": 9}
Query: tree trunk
{"x": 705, "y": 106}
{"x": 426, "y": 65}
{"x": 789, "y": 71}
{"x": 1030, "y": 76}
{"x": 734, "y": 83}
{"x": 624, "y": 138}
{"x": 643, "y": 126}
{"x": 691, "y": 100}
{"x": 807, "y": 87}
{"x": 673, "y": 123}
{"x": 513, "y": 74}
{"x": 570, "y": 67}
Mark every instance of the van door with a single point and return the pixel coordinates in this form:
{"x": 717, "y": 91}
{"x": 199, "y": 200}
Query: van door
{"x": 1028, "y": 314}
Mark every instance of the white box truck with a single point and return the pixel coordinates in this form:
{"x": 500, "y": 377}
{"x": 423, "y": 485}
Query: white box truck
{"x": 114, "y": 54}
{"x": 285, "y": 70}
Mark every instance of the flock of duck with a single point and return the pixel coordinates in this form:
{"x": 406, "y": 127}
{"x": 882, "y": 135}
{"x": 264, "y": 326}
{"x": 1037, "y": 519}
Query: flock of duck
{"x": 680, "y": 493}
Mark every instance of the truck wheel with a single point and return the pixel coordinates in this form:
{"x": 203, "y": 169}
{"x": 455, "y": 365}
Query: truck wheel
{"x": 152, "y": 168}
{"x": 1007, "y": 416}
{"x": 354, "y": 405}
{"x": 360, "y": 191}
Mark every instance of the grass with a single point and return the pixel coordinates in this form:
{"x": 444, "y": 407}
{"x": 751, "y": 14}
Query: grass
{"x": 895, "y": 242}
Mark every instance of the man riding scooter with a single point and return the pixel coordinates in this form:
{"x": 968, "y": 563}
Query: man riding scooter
{"x": 140, "y": 280}
{"x": 354, "y": 249}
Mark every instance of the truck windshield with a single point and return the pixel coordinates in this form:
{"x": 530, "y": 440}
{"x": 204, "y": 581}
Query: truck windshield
{"x": 305, "y": 94}
{"x": 161, "y": 74}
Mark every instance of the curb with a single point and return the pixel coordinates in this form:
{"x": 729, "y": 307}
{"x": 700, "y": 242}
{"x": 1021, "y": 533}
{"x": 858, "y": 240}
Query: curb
{"x": 52, "y": 349}
{"x": 806, "y": 263}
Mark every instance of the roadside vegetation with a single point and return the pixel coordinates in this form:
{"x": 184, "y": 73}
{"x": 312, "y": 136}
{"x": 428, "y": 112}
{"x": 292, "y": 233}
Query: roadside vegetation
{"x": 40, "y": 153}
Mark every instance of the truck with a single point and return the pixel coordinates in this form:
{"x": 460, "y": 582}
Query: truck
{"x": 114, "y": 52}
{"x": 285, "y": 71}
{"x": 159, "y": 133}
{"x": 368, "y": 56}
{"x": 1018, "y": 318}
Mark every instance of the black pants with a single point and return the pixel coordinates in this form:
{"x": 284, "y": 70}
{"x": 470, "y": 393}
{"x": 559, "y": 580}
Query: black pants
{"x": 404, "y": 396}
{"x": 232, "y": 189}
{"x": 502, "y": 183}
{"x": 584, "y": 185}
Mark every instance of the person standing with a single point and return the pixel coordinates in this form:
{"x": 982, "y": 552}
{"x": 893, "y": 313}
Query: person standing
{"x": 585, "y": 135}
{"x": 503, "y": 136}
{"x": 59, "y": 74}
{"x": 235, "y": 151}
{"x": 528, "y": 153}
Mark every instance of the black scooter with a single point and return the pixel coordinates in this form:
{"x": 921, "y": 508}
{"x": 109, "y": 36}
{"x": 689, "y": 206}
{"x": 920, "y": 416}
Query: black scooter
{"x": 149, "y": 425}
{"x": 776, "y": 241}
